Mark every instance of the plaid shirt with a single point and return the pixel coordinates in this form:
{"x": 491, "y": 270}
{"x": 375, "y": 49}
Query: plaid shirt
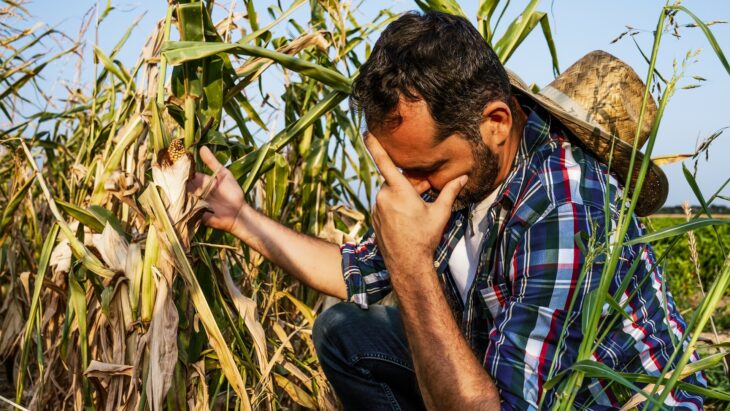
{"x": 528, "y": 272}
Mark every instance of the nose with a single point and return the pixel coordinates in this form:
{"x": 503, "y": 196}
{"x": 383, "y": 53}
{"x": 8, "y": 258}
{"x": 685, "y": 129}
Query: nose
{"x": 421, "y": 184}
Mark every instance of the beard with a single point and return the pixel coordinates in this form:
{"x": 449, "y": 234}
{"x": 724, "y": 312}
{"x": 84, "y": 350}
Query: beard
{"x": 481, "y": 179}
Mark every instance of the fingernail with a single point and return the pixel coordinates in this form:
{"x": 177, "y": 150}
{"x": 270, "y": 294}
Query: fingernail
{"x": 463, "y": 180}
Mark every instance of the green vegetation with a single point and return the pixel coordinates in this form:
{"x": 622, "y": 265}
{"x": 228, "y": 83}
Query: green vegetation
{"x": 679, "y": 265}
{"x": 111, "y": 293}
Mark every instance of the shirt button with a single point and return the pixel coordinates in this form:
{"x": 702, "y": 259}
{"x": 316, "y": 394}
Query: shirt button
{"x": 436, "y": 263}
{"x": 458, "y": 223}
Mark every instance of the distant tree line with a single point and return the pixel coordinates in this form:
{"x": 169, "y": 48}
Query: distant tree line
{"x": 677, "y": 209}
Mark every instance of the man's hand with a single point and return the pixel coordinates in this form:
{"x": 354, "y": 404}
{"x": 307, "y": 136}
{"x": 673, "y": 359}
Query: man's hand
{"x": 408, "y": 229}
{"x": 225, "y": 197}
{"x": 312, "y": 261}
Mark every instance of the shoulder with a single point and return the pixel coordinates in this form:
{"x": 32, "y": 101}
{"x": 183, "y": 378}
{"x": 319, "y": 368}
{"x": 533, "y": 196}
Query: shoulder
{"x": 553, "y": 174}
{"x": 566, "y": 173}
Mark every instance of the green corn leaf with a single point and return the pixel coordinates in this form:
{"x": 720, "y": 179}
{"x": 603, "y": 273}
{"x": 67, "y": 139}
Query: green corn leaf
{"x": 708, "y": 33}
{"x": 484, "y": 16}
{"x": 110, "y": 66}
{"x": 677, "y": 230}
{"x": 616, "y": 306}
{"x": 77, "y": 301}
{"x": 444, "y": 6}
{"x": 84, "y": 217}
{"x": 12, "y": 206}
{"x": 178, "y": 52}
{"x": 277, "y": 183}
{"x": 250, "y": 163}
{"x": 43, "y": 262}
{"x": 593, "y": 369}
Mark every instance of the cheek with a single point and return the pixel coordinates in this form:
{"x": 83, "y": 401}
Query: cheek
{"x": 458, "y": 168}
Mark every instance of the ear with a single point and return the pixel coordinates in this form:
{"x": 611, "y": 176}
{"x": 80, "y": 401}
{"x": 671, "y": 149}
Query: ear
{"x": 496, "y": 124}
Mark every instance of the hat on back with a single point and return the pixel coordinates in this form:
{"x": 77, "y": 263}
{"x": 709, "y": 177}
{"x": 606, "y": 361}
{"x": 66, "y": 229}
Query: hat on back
{"x": 599, "y": 100}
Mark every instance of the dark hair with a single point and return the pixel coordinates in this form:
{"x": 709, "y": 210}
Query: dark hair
{"x": 436, "y": 57}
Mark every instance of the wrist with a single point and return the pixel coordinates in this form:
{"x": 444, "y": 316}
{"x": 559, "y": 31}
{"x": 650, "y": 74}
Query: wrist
{"x": 239, "y": 227}
{"x": 414, "y": 273}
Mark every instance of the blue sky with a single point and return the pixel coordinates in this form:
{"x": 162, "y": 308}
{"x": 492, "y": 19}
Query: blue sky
{"x": 578, "y": 27}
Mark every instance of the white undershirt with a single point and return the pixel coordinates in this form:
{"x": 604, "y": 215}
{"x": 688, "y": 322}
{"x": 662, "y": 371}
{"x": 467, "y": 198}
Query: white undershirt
{"x": 465, "y": 257}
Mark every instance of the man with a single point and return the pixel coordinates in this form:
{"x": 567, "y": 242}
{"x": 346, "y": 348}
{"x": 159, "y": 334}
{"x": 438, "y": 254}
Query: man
{"x": 474, "y": 230}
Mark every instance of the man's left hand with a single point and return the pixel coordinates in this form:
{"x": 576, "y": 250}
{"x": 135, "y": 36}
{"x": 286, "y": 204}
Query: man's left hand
{"x": 407, "y": 228}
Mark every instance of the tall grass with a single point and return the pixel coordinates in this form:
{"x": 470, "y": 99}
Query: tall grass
{"x": 113, "y": 295}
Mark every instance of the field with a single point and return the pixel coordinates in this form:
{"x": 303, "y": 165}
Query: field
{"x": 679, "y": 268}
{"x": 114, "y": 295}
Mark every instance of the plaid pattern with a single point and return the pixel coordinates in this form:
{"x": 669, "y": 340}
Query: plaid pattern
{"x": 529, "y": 270}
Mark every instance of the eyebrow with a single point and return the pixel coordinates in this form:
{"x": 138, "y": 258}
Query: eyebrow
{"x": 424, "y": 168}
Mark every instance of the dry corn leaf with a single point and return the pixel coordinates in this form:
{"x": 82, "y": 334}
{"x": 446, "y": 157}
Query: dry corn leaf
{"x": 670, "y": 159}
{"x": 112, "y": 247}
{"x": 61, "y": 258}
{"x": 98, "y": 369}
{"x": 197, "y": 388}
{"x": 12, "y": 327}
{"x": 162, "y": 344}
{"x": 301, "y": 307}
{"x": 295, "y": 392}
{"x": 247, "y": 310}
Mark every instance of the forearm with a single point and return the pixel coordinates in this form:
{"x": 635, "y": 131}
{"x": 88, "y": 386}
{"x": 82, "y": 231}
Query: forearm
{"x": 448, "y": 373}
{"x": 313, "y": 261}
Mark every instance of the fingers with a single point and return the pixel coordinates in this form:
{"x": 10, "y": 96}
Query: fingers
{"x": 389, "y": 171}
{"x": 422, "y": 186}
{"x": 448, "y": 194}
{"x": 209, "y": 159}
{"x": 197, "y": 184}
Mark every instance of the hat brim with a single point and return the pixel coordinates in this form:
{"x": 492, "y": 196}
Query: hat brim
{"x": 607, "y": 148}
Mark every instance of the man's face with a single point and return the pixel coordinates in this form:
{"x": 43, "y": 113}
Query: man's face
{"x": 429, "y": 164}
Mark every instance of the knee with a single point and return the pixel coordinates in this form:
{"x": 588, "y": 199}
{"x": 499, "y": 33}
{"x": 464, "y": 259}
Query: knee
{"x": 332, "y": 324}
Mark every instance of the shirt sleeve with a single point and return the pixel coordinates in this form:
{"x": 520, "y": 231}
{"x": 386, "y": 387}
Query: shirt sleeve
{"x": 363, "y": 268}
{"x": 543, "y": 273}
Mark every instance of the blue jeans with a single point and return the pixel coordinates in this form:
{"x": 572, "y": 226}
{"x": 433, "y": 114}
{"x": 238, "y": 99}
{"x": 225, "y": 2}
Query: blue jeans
{"x": 365, "y": 356}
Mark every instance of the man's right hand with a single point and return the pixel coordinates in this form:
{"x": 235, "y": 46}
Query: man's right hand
{"x": 311, "y": 260}
{"x": 225, "y": 198}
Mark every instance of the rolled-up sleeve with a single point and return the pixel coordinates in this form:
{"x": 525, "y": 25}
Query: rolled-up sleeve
{"x": 364, "y": 271}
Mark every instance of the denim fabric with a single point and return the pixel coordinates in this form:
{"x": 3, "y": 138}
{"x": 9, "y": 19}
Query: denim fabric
{"x": 365, "y": 356}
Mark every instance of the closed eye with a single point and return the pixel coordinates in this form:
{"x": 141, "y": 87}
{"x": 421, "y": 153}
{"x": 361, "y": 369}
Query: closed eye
{"x": 424, "y": 170}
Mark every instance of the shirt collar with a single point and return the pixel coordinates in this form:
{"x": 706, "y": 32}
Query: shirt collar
{"x": 535, "y": 134}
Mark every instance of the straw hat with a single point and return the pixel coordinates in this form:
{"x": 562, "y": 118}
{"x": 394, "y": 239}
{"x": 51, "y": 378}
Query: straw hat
{"x": 599, "y": 99}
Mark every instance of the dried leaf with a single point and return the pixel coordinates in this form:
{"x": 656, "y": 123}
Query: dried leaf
{"x": 670, "y": 159}
{"x": 12, "y": 327}
{"x": 295, "y": 392}
{"x": 61, "y": 258}
{"x": 247, "y": 310}
{"x": 98, "y": 369}
{"x": 162, "y": 344}
{"x": 112, "y": 247}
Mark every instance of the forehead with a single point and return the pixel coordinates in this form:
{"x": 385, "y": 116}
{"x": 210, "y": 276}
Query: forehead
{"x": 411, "y": 140}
